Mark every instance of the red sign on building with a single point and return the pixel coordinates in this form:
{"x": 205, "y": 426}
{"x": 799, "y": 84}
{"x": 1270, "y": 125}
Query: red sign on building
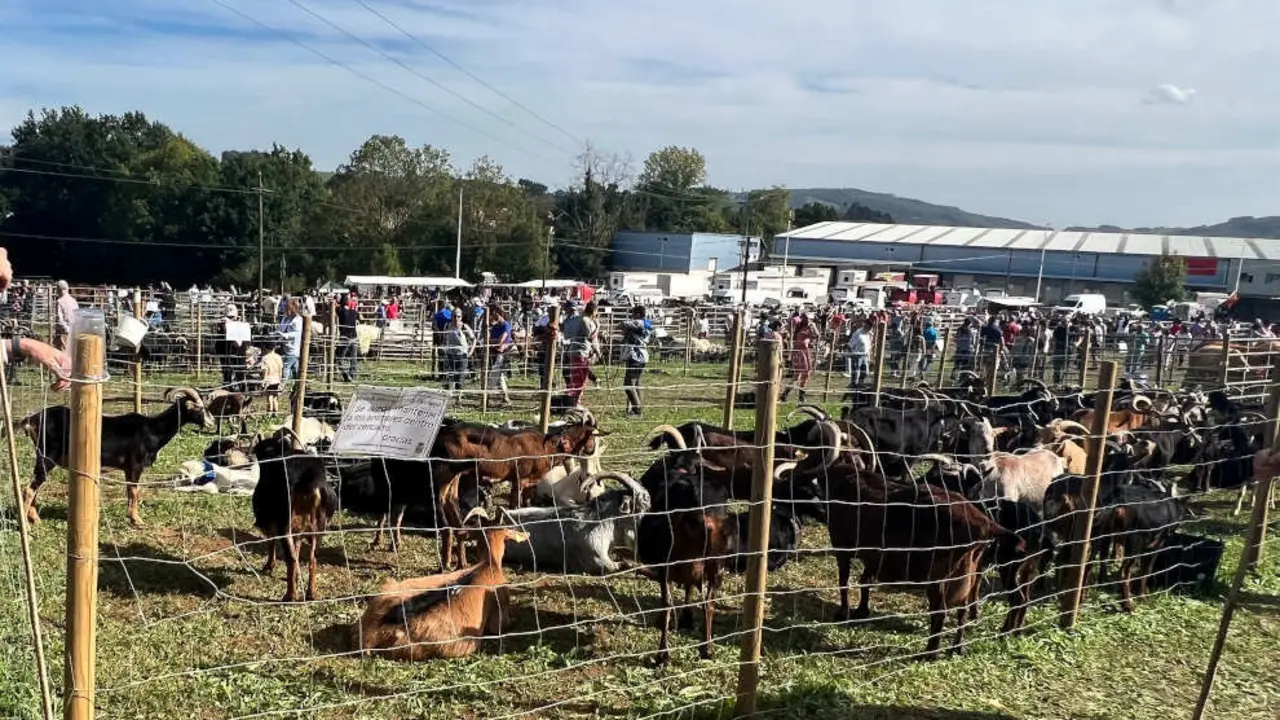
{"x": 1202, "y": 266}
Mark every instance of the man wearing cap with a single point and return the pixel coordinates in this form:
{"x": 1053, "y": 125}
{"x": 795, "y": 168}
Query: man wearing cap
{"x": 67, "y": 307}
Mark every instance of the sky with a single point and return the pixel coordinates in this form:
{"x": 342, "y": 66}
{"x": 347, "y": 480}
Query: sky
{"x": 1127, "y": 112}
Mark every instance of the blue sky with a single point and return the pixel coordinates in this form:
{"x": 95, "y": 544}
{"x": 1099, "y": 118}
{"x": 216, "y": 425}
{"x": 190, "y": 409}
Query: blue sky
{"x": 1061, "y": 111}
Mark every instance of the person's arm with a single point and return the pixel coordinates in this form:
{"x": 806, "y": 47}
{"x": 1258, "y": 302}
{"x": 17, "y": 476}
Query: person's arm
{"x": 56, "y": 361}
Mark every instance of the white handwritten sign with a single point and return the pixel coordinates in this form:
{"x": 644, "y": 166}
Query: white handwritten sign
{"x": 239, "y": 331}
{"x": 391, "y": 422}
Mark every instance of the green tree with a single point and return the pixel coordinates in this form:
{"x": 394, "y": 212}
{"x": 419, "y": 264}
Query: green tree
{"x": 857, "y": 212}
{"x": 674, "y": 196}
{"x": 1161, "y": 280}
{"x": 812, "y": 213}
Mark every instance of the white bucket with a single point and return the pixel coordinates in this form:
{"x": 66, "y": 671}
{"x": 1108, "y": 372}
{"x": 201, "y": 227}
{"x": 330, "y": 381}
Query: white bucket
{"x": 131, "y": 330}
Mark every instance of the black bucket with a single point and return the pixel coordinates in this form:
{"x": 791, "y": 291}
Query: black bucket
{"x": 1186, "y": 563}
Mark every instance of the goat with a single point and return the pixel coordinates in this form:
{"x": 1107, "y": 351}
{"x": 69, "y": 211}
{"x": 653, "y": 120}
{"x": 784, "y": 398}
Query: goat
{"x": 919, "y": 535}
{"x": 445, "y": 615}
{"x": 227, "y": 405}
{"x": 561, "y": 486}
{"x": 210, "y": 477}
{"x": 323, "y": 406}
{"x": 1126, "y": 419}
{"x": 1026, "y": 523}
{"x": 130, "y": 442}
{"x": 293, "y": 501}
{"x": 313, "y": 434}
{"x": 1024, "y": 476}
{"x": 578, "y": 538}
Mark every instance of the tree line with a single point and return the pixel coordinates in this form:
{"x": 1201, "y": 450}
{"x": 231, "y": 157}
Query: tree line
{"x": 126, "y": 199}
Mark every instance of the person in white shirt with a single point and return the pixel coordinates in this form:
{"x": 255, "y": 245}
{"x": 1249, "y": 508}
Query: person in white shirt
{"x": 859, "y": 350}
{"x": 291, "y": 331}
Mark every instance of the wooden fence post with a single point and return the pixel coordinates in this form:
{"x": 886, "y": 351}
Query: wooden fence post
{"x": 195, "y": 308}
{"x": 24, "y": 541}
{"x": 82, "y": 522}
{"x": 1072, "y": 576}
{"x": 553, "y": 340}
{"x": 768, "y": 364}
{"x": 831, "y": 364}
{"x": 137, "y": 355}
{"x": 331, "y": 356}
{"x": 1086, "y": 345}
{"x": 484, "y": 369}
{"x": 882, "y": 338}
{"x": 1226, "y": 359}
{"x": 735, "y": 366}
{"x": 942, "y": 356}
{"x": 1260, "y": 517}
{"x": 688, "y": 345}
{"x": 1160, "y": 360}
{"x": 300, "y": 387}
{"x": 1249, "y": 558}
{"x": 993, "y": 371}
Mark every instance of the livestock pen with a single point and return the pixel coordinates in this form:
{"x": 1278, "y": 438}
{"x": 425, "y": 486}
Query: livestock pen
{"x": 189, "y": 625}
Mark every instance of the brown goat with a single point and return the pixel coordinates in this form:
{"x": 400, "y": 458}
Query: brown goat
{"x": 446, "y": 615}
{"x": 916, "y": 535}
{"x": 1127, "y": 419}
{"x": 489, "y": 455}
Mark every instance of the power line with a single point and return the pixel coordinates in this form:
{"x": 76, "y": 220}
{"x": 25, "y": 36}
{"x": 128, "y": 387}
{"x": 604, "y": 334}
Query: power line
{"x": 470, "y": 74}
{"x": 369, "y": 78}
{"x": 155, "y": 182}
{"x": 416, "y": 73}
{"x": 224, "y": 246}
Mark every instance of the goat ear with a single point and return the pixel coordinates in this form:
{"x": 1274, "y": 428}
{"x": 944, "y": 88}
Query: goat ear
{"x": 518, "y": 536}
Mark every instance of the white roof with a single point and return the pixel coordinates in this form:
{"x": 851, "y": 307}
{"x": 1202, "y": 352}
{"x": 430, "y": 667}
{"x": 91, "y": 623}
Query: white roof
{"x": 537, "y": 284}
{"x": 406, "y": 281}
{"x": 1051, "y": 240}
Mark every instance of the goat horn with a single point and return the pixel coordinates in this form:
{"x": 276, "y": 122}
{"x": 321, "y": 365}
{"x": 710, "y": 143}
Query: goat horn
{"x": 831, "y": 453}
{"x": 1037, "y": 382}
{"x": 974, "y": 377}
{"x": 938, "y": 458}
{"x": 590, "y": 480}
{"x": 297, "y": 441}
{"x": 812, "y": 411}
{"x": 670, "y": 432}
{"x": 782, "y": 468}
{"x": 699, "y": 438}
{"x": 1140, "y": 403}
{"x": 479, "y": 512}
{"x": 870, "y": 448}
{"x": 1071, "y": 425}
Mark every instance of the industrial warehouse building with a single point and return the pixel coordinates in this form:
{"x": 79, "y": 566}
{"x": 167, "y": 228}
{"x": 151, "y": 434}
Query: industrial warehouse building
{"x": 1062, "y": 262}
{"x": 680, "y": 252}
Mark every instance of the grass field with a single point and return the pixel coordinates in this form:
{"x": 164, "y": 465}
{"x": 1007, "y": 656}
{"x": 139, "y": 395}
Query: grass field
{"x": 189, "y": 629}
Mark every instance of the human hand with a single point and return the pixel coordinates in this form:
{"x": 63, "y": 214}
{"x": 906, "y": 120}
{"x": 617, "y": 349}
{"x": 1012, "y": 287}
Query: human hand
{"x": 57, "y": 361}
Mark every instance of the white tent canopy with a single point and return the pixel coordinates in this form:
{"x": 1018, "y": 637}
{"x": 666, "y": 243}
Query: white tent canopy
{"x": 537, "y": 284}
{"x": 436, "y": 282}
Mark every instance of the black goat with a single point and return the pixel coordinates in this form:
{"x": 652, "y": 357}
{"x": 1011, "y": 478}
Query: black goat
{"x": 292, "y": 502}
{"x": 321, "y": 405}
{"x": 130, "y": 442}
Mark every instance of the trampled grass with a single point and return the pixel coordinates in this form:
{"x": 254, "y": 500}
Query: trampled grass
{"x": 189, "y": 629}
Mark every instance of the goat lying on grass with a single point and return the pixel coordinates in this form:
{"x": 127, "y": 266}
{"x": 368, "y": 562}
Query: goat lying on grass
{"x": 445, "y": 615}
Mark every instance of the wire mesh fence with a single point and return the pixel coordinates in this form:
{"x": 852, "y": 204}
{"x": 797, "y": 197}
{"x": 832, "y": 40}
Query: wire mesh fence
{"x": 621, "y": 586}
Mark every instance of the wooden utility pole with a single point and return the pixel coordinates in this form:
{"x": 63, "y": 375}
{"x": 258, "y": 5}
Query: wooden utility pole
{"x": 735, "y": 366}
{"x": 137, "y": 355}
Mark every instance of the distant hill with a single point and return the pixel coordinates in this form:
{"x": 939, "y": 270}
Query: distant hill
{"x": 906, "y": 211}
{"x": 1246, "y": 226}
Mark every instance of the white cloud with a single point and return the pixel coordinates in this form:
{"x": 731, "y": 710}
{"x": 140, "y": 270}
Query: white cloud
{"x": 999, "y": 106}
{"x": 1170, "y": 95}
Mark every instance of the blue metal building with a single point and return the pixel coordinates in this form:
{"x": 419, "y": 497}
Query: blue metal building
{"x": 679, "y": 252}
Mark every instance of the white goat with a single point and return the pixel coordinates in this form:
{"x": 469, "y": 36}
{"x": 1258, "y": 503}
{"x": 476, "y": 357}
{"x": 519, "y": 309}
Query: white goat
{"x": 1024, "y": 476}
{"x": 561, "y": 486}
{"x": 312, "y": 433}
{"x": 204, "y": 476}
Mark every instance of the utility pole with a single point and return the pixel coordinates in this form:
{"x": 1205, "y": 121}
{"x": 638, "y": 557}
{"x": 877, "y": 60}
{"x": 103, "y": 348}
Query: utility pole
{"x": 457, "y": 252}
{"x": 746, "y": 244}
{"x": 261, "y": 243}
{"x": 546, "y": 263}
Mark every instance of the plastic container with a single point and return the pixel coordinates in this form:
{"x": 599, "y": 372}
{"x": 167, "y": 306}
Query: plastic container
{"x": 131, "y": 330}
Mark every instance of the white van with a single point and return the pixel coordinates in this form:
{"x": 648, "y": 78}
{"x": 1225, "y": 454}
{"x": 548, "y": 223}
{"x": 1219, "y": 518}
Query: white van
{"x": 1087, "y": 303}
